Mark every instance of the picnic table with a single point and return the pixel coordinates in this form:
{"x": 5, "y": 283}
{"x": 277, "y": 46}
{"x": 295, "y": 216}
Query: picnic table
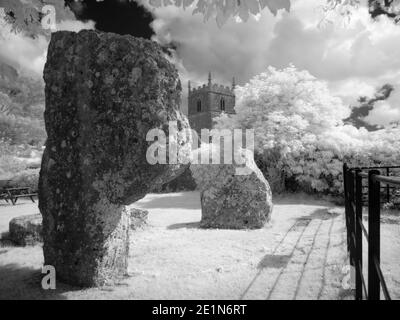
{"x": 8, "y": 193}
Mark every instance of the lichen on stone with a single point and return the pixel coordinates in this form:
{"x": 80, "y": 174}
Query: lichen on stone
{"x": 104, "y": 92}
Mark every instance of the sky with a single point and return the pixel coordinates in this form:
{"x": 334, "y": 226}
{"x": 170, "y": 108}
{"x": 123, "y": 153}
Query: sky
{"x": 354, "y": 57}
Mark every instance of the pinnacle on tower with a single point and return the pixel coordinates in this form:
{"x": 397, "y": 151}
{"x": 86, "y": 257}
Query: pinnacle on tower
{"x": 233, "y": 83}
{"x": 189, "y": 86}
{"x": 209, "y": 78}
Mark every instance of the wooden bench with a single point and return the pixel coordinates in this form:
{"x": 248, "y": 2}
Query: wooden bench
{"x": 7, "y": 193}
{"x": 3, "y": 193}
{"x": 15, "y": 193}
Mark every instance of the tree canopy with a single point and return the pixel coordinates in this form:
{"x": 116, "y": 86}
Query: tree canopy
{"x": 299, "y": 130}
{"x": 27, "y": 16}
{"x": 222, "y": 10}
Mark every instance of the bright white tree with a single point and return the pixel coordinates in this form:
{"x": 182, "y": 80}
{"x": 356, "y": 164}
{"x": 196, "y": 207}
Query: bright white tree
{"x": 286, "y": 108}
{"x": 299, "y": 132}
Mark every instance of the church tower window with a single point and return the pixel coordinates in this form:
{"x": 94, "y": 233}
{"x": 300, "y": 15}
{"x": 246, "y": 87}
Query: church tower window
{"x": 198, "y": 105}
{"x": 222, "y": 104}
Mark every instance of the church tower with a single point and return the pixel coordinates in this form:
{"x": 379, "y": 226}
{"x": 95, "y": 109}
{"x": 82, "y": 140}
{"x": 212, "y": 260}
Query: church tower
{"x": 208, "y": 102}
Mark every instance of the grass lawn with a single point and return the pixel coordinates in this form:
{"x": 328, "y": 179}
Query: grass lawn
{"x": 299, "y": 255}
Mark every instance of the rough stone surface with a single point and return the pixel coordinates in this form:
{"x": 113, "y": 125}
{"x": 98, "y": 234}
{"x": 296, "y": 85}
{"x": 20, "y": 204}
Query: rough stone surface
{"x": 26, "y": 230}
{"x": 231, "y": 201}
{"x": 184, "y": 182}
{"x": 104, "y": 92}
{"x": 138, "y": 218}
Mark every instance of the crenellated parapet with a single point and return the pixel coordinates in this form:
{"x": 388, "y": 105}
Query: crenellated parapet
{"x": 217, "y": 88}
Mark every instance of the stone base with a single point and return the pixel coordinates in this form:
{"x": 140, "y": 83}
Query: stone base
{"x": 232, "y": 197}
{"x": 26, "y": 230}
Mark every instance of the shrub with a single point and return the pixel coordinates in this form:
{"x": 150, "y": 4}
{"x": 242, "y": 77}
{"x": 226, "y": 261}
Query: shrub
{"x": 9, "y": 165}
{"x": 22, "y": 130}
{"x": 268, "y": 163}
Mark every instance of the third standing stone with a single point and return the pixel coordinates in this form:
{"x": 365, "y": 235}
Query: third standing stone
{"x": 104, "y": 92}
{"x": 230, "y": 200}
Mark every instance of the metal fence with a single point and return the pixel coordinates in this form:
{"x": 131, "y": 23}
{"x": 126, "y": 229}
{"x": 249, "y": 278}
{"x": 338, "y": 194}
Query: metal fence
{"x": 388, "y": 192}
{"x": 354, "y": 202}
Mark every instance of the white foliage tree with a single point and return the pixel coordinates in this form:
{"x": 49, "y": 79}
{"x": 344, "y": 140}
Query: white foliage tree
{"x": 299, "y": 132}
{"x": 286, "y": 108}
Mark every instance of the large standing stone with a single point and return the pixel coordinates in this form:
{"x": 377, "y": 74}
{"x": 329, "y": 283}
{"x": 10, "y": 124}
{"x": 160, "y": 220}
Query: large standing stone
{"x": 232, "y": 201}
{"x": 104, "y": 92}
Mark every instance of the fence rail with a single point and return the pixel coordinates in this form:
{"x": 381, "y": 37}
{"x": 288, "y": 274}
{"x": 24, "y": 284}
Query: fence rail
{"x": 353, "y": 192}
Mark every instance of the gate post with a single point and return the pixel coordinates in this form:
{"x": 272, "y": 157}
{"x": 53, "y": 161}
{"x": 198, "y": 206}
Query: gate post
{"x": 346, "y": 203}
{"x": 358, "y": 236}
{"x": 351, "y": 215}
{"x": 374, "y": 287}
{"x": 387, "y": 186}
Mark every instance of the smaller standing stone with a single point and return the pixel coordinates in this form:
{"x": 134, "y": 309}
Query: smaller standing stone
{"x": 138, "y": 218}
{"x": 26, "y": 230}
{"x": 230, "y": 200}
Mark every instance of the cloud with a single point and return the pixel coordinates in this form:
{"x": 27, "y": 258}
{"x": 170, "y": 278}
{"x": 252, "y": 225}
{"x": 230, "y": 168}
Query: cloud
{"x": 204, "y": 46}
{"x": 359, "y": 48}
{"x": 386, "y": 112}
{"x": 74, "y": 25}
{"x": 350, "y": 89}
{"x": 355, "y": 57}
{"x": 28, "y": 54}
{"x": 236, "y": 49}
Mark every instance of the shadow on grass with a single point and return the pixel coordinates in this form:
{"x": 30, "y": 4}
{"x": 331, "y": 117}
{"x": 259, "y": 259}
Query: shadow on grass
{"x": 301, "y": 198}
{"x": 346, "y": 294}
{"x": 319, "y": 214}
{"x": 275, "y": 261}
{"x": 188, "y": 225}
{"x": 25, "y": 283}
{"x": 9, "y": 204}
{"x": 177, "y": 201}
